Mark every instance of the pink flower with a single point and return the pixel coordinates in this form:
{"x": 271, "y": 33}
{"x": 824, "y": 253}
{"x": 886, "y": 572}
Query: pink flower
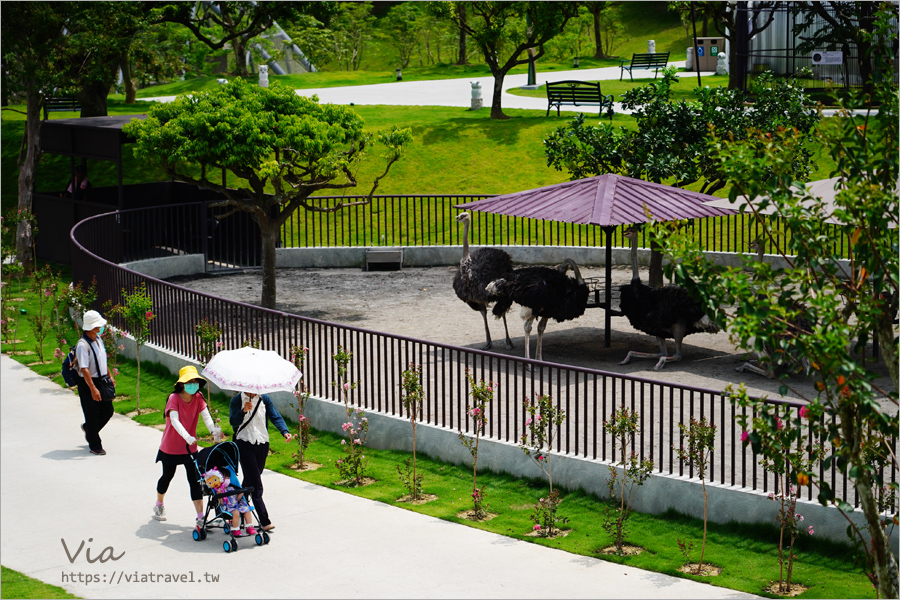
{"x": 537, "y": 418}
{"x": 347, "y": 386}
{"x": 115, "y": 371}
{"x": 47, "y": 293}
{"x": 744, "y": 436}
{"x": 343, "y": 443}
{"x": 804, "y": 411}
{"x": 357, "y": 441}
{"x": 810, "y": 531}
{"x": 772, "y": 496}
{"x": 121, "y": 346}
{"x": 149, "y": 315}
{"x": 218, "y": 344}
{"x": 537, "y": 527}
{"x": 57, "y": 353}
{"x": 799, "y": 517}
{"x": 528, "y": 422}
{"x": 346, "y": 426}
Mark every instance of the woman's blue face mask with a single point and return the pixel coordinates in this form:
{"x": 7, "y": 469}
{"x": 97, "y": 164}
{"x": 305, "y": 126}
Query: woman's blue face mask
{"x": 102, "y": 329}
{"x": 192, "y": 388}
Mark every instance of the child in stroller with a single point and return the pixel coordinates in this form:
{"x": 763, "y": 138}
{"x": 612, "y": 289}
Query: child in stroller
{"x": 225, "y": 509}
{"x": 231, "y": 503}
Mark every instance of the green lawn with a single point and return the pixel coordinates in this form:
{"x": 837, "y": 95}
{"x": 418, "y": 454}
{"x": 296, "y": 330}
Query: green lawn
{"x": 17, "y": 585}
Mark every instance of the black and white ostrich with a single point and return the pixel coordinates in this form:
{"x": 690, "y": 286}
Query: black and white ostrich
{"x": 543, "y": 293}
{"x": 476, "y": 271}
{"x": 663, "y": 312}
{"x": 770, "y": 358}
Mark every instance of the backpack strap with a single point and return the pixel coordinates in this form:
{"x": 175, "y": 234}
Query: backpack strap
{"x": 247, "y": 422}
{"x": 94, "y": 352}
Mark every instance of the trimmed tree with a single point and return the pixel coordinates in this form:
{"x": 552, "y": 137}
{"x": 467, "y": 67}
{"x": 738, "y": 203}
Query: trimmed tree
{"x": 508, "y": 29}
{"x": 281, "y": 147}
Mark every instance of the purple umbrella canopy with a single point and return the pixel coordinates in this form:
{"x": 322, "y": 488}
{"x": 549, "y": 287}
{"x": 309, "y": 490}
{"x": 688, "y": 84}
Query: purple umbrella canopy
{"x": 607, "y": 201}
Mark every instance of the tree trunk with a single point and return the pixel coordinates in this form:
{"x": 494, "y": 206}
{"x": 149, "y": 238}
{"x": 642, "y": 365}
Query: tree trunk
{"x": 269, "y": 231}
{"x": 598, "y": 41}
{"x": 92, "y": 97}
{"x": 497, "y": 98}
{"x": 24, "y": 233}
{"x": 461, "y": 13}
{"x": 240, "y": 57}
{"x": 128, "y": 82}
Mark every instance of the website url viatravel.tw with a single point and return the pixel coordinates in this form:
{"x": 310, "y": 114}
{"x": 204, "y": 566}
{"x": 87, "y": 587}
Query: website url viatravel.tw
{"x": 119, "y": 577}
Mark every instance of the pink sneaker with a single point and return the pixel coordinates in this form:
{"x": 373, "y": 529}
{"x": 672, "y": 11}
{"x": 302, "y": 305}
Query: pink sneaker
{"x": 251, "y": 530}
{"x": 236, "y": 533}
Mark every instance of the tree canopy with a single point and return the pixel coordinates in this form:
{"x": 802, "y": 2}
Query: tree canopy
{"x": 670, "y": 142}
{"x": 821, "y": 307}
{"x": 282, "y": 147}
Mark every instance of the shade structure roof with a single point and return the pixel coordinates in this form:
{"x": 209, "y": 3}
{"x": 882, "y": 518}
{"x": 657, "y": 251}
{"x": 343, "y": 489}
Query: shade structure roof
{"x": 605, "y": 200}
{"x": 824, "y": 189}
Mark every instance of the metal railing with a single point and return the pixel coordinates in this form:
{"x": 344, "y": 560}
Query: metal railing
{"x": 587, "y": 396}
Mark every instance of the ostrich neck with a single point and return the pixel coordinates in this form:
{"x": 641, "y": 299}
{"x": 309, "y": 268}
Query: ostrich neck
{"x": 634, "y": 260}
{"x": 465, "y": 240}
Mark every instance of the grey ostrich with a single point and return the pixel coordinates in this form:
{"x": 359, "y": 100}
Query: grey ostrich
{"x": 476, "y": 271}
{"x": 543, "y": 293}
{"x": 769, "y": 357}
{"x": 663, "y": 312}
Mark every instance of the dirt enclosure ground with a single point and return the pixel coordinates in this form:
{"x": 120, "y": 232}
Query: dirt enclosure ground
{"x": 420, "y": 303}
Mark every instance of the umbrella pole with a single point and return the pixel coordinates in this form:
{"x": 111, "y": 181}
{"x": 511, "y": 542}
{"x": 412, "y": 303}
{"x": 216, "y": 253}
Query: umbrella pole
{"x": 608, "y": 317}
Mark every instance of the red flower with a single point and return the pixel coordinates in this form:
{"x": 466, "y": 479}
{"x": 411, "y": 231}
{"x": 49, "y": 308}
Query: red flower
{"x": 149, "y": 315}
{"x": 804, "y": 412}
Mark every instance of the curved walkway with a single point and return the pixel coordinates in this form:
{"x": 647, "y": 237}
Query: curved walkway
{"x": 328, "y": 544}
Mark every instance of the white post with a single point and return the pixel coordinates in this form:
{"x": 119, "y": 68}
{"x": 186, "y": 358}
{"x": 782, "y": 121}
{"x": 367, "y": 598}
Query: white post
{"x": 651, "y": 46}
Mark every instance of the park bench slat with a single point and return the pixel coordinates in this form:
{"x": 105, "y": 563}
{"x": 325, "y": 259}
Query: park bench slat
{"x": 654, "y": 60}
{"x": 577, "y": 93}
{"x": 59, "y": 104}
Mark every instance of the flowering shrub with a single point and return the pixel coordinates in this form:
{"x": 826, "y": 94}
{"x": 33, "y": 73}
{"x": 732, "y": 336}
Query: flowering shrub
{"x": 298, "y": 356}
{"x": 778, "y": 441}
{"x": 207, "y": 335}
{"x": 353, "y": 465}
{"x": 482, "y": 393}
{"x": 536, "y": 442}
{"x": 623, "y": 428}
{"x": 137, "y": 311}
{"x": 701, "y": 438}
{"x": 412, "y": 395}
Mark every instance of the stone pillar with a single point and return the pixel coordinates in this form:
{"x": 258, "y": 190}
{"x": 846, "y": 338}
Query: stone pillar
{"x": 651, "y": 46}
{"x": 689, "y": 63}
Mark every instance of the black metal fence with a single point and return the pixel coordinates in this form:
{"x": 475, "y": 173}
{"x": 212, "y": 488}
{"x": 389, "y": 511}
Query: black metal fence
{"x": 234, "y": 242}
{"x": 587, "y": 396}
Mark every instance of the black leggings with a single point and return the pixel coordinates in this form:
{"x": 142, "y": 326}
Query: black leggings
{"x": 169, "y": 463}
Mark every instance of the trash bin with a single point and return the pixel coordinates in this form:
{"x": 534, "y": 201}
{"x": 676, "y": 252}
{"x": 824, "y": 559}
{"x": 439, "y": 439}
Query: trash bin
{"x": 708, "y": 49}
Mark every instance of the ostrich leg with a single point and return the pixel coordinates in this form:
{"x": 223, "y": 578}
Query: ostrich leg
{"x": 662, "y": 354}
{"x": 487, "y": 330}
{"x": 542, "y": 325}
{"x": 528, "y": 323}
{"x": 509, "y": 344}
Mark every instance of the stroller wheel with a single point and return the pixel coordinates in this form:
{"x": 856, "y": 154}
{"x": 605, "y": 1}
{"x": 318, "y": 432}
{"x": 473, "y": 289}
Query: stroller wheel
{"x": 196, "y": 535}
{"x": 265, "y": 537}
{"x": 259, "y": 539}
{"x": 227, "y": 527}
{"x": 229, "y": 546}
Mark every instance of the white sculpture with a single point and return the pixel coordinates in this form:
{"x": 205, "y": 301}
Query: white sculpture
{"x": 263, "y": 76}
{"x": 651, "y": 46}
{"x": 477, "y": 102}
{"x": 689, "y": 63}
{"x": 722, "y": 65}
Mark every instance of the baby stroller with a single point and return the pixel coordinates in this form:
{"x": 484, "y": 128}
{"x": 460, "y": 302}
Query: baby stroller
{"x": 225, "y": 457}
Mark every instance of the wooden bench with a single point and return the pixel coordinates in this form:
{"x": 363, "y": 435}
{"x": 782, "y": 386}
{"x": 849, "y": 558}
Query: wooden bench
{"x": 656, "y": 61}
{"x": 60, "y": 104}
{"x": 577, "y": 93}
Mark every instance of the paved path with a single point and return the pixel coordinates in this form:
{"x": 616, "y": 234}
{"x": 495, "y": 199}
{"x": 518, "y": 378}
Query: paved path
{"x": 458, "y": 92}
{"x": 327, "y": 544}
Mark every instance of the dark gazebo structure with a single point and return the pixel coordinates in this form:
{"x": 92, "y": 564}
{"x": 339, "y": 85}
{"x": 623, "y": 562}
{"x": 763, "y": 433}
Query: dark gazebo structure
{"x": 607, "y": 201}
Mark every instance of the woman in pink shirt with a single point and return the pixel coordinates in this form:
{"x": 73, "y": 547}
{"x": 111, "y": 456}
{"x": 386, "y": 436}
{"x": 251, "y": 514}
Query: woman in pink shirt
{"x": 183, "y": 409}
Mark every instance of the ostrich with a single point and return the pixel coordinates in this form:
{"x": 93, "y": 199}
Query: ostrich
{"x": 543, "y": 293}
{"x": 764, "y": 364}
{"x": 476, "y": 270}
{"x": 663, "y": 312}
